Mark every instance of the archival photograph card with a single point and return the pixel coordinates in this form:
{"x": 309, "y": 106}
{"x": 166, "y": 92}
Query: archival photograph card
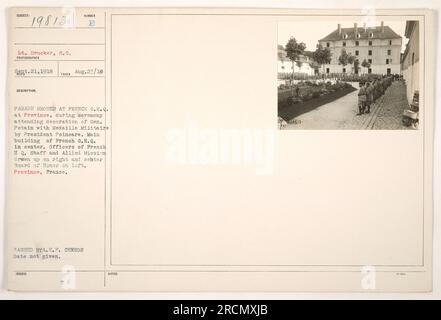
{"x": 257, "y": 150}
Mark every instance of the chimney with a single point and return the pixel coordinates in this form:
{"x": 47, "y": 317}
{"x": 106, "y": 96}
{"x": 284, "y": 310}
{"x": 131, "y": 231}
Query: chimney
{"x": 355, "y": 29}
{"x": 382, "y": 26}
{"x": 364, "y": 26}
{"x": 339, "y": 28}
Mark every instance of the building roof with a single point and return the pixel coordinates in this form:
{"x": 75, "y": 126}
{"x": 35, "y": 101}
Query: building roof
{"x": 364, "y": 34}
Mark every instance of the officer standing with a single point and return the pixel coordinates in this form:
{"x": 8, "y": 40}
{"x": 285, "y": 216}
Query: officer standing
{"x": 369, "y": 96}
{"x": 375, "y": 89}
{"x": 362, "y": 99}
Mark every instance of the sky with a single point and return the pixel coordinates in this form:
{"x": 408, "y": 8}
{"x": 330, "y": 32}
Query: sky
{"x": 310, "y": 32}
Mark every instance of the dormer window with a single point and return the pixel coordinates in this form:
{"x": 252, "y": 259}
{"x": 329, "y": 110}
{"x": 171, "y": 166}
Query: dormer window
{"x": 371, "y": 34}
{"x": 358, "y": 36}
{"x": 345, "y": 36}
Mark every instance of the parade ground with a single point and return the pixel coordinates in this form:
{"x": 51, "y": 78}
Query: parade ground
{"x": 386, "y": 112}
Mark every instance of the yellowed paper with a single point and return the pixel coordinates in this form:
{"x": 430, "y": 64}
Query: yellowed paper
{"x": 194, "y": 150}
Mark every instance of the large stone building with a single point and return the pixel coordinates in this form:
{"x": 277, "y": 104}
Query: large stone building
{"x": 410, "y": 66}
{"x": 380, "y": 46}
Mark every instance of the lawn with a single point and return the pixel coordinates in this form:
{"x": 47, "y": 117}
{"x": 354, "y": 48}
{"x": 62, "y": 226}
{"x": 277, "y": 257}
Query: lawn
{"x": 308, "y": 96}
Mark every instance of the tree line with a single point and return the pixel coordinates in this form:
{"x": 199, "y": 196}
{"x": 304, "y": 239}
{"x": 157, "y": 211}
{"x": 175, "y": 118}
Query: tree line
{"x": 321, "y": 55}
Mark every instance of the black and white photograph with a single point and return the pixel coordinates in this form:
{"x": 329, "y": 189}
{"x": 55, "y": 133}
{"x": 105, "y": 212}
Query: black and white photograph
{"x": 142, "y": 156}
{"x": 348, "y": 75}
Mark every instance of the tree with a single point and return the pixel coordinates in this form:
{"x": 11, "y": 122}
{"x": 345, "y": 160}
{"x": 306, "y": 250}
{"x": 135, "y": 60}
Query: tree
{"x": 314, "y": 65}
{"x": 280, "y": 52}
{"x": 345, "y": 58}
{"x": 322, "y": 55}
{"x": 293, "y": 51}
{"x": 365, "y": 64}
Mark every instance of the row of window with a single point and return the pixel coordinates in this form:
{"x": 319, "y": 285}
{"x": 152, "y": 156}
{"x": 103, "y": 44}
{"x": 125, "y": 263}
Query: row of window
{"x": 357, "y": 43}
{"x": 371, "y": 35}
{"x": 388, "y": 61}
{"x": 356, "y": 71}
{"x": 357, "y": 53}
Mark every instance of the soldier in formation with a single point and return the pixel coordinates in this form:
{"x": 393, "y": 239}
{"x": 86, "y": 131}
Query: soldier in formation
{"x": 362, "y": 97}
{"x": 371, "y": 91}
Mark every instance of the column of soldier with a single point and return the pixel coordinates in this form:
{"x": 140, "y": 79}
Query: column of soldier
{"x": 370, "y": 91}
